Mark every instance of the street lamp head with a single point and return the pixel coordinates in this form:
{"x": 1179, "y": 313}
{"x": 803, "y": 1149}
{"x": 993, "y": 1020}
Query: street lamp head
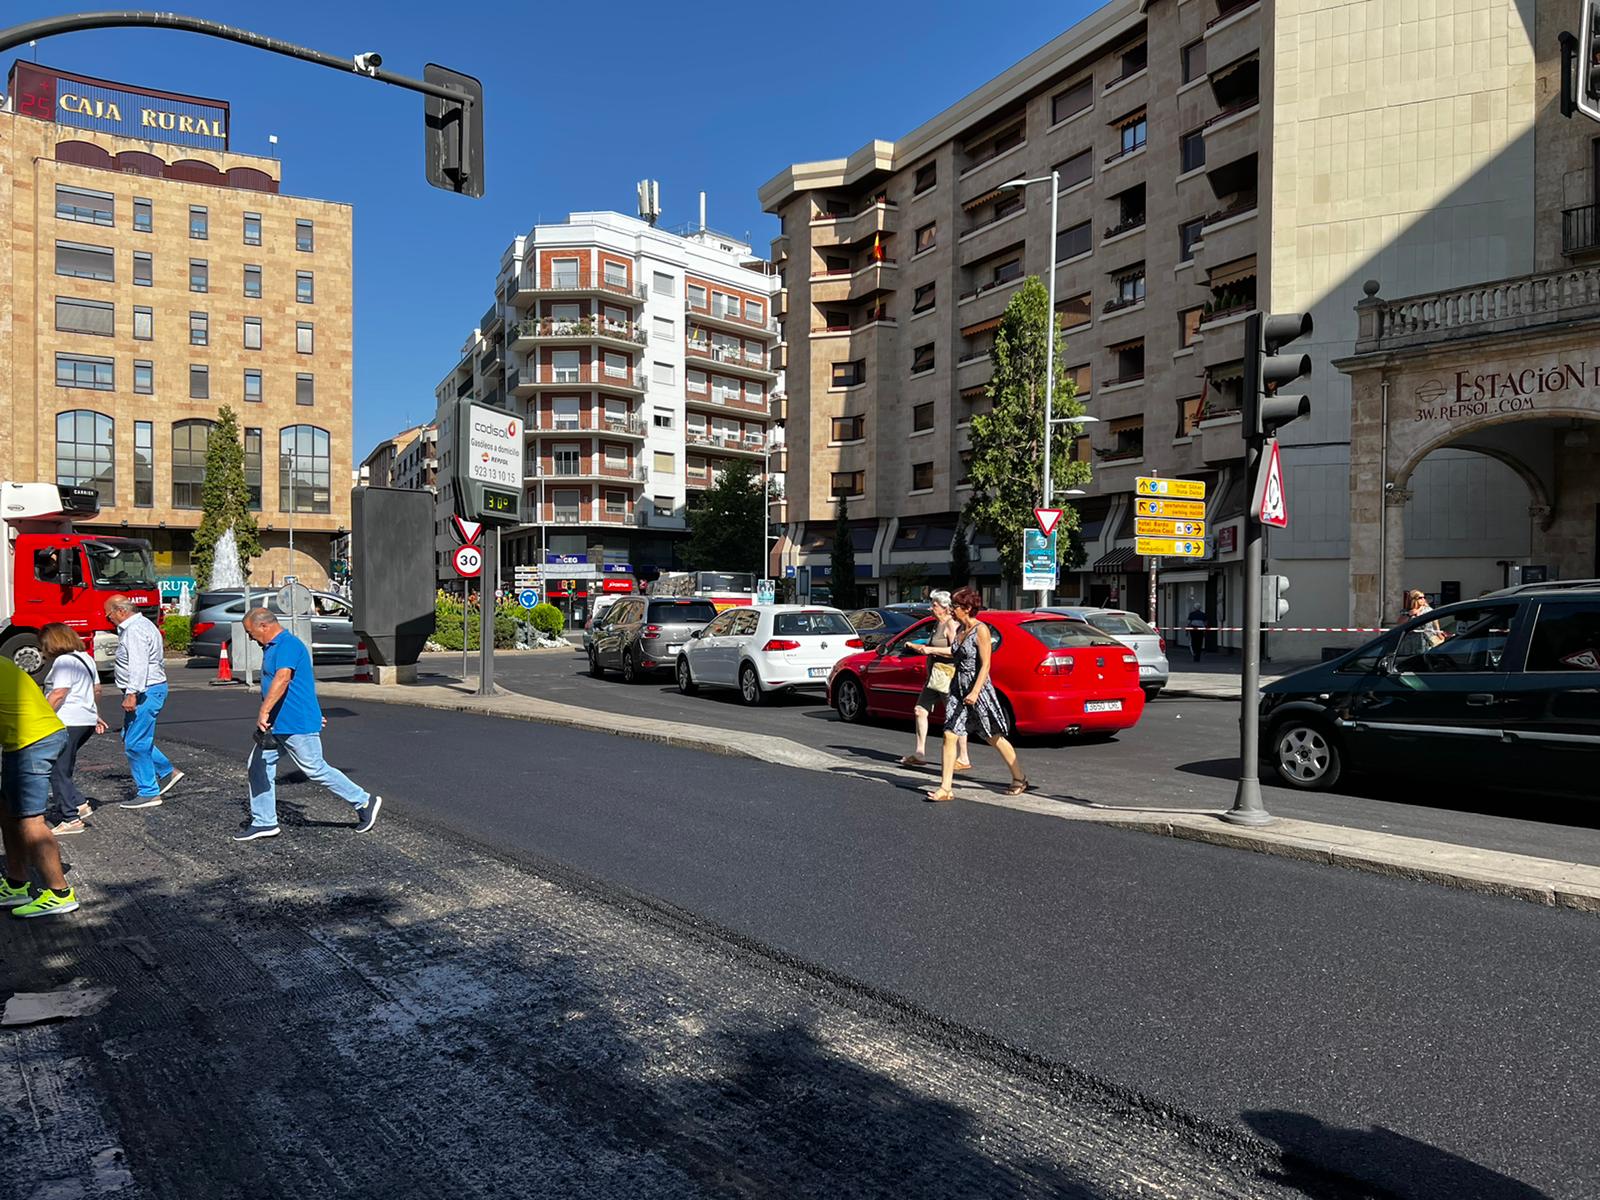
{"x": 1013, "y": 184}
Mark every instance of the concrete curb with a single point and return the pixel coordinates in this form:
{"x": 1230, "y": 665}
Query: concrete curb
{"x": 1549, "y": 882}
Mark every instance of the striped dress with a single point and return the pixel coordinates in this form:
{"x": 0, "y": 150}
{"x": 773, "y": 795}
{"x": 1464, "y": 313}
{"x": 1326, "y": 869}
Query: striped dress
{"x": 986, "y": 714}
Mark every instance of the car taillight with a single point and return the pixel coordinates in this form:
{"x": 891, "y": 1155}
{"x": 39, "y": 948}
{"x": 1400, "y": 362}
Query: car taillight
{"x": 1055, "y": 664}
{"x": 202, "y": 627}
{"x": 1162, "y": 644}
{"x": 779, "y": 644}
{"x": 856, "y": 644}
{"x": 1130, "y": 660}
{"x": 651, "y": 631}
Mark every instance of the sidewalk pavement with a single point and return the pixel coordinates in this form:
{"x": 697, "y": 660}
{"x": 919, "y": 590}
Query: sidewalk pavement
{"x": 1543, "y": 881}
{"x": 1216, "y": 677}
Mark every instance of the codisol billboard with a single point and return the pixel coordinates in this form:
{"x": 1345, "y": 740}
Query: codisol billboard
{"x": 68, "y": 99}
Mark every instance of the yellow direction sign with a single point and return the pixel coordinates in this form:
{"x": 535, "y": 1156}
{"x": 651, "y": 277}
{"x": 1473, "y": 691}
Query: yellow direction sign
{"x": 1183, "y": 489}
{"x": 1150, "y": 506}
{"x": 1170, "y": 547}
{"x": 1157, "y": 527}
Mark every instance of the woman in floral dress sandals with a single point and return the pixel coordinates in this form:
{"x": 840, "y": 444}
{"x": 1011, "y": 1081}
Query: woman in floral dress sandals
{"x": 973, "y": 700}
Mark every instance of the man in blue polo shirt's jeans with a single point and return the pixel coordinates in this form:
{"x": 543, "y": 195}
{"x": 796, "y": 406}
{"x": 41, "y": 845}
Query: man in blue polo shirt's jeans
{"x": 290, "y": 713}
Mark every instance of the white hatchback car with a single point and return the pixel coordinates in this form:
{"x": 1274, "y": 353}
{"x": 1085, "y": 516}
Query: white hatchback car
{"x": 766, "y": 648}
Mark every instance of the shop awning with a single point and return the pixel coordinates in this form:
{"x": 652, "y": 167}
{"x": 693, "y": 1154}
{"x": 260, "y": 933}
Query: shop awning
{"x": 1119, "y": 560}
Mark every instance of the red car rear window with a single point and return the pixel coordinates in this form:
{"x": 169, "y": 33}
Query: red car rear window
{"x": 1068, "y": 635}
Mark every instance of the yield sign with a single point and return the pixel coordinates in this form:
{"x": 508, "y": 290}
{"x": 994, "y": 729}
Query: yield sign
{"x": 467, "y": 531}
{"x": 1048, "y": 518}
{"x": 1270, "y": 506}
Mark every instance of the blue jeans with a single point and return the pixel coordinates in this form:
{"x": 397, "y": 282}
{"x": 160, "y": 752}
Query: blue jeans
{"x": 25, "y": 777}
{"x": 305, "y": 751}
{"x": 145, "y": 759}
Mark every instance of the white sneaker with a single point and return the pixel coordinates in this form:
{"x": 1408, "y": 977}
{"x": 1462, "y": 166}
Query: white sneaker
{"x": 171, "y": 779}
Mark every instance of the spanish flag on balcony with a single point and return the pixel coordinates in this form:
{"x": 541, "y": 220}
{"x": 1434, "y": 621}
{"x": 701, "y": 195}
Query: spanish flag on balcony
{"x": 877, "y": 247}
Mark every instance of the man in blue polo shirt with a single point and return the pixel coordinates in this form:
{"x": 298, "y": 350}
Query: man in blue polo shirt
{"x": 291, "y": 715}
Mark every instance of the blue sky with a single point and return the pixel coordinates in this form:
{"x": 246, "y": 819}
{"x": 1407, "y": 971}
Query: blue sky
{"x": 582, "y": 101}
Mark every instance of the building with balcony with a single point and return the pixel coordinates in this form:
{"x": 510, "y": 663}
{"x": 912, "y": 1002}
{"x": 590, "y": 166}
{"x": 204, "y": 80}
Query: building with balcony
{"x": 643, "y": 363}
{"x": 416, "y": 466}
{"x": 379, "y": 467}
{"x": 1215, "y": 156}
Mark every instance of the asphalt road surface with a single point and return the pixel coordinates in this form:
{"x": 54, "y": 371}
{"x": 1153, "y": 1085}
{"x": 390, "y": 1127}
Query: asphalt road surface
{"x": 1182, "y": 754}
{"x": 1426, "y": 1041}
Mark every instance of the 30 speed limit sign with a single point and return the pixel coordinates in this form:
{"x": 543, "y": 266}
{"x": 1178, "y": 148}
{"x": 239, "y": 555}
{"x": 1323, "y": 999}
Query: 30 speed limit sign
{"x": 468, "y": 561}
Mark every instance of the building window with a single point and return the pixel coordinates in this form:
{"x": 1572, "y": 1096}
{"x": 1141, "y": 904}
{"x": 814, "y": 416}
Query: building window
{"x": 663, "y": 284}
{"x": 79, "y": 204}
{"x": 189, "y": 439}
{"x": 849, "y": 374}
{"x": 1077, "y": 169}
{"x": 616, "y": 365}
{"x": 664, "y": 330}
{"x": 199, "y": 382}
{"x": 144, "y": 377}
{"x": 924, "y": 298}
{"x": 1076, "y": 310}
{"x": 1128, "y": 433}
{"x": 144, "y": 324}
{"x": 144, "y": 464}
{"x": 616, "y": 457}
{"x": 754, "y": 393}
{"x": 922, "y": 358}
{"x": 1072, "y": 101}
{"x": 1194, "y": 60}
{"x": 252, "y": 386}
{"x": 143, "y": 216}
{"x": 754, "y": 312}
{"x": 1082, "y": 379}
{"x": 85, "y": 262}
{"x": 252, "y": 281}
{"x": 252, "y": 466}
{"x": 848, "y": 483}
{"x": 252, "y": 229}
{"x": 1007, "y": 271}
{"x": 199, "y": 329}
{"x": 698, "y": 297}
{"x": 664, "y": 463}
{"x": 849, "y": 429}
{"x": 305, "y": 470}
{"x": 1129, "y": 357}
{"x": 615, "y": 274}
{"x": 1189, "y": 326}
{"x": 86, "y": 371}
{"x": 305, "y": 388}
{"x": 663, "y": 373}
{"x": 85, "y": 316}
{"x": 1131, "y": 132}
{"x": 1129, "y": 285}
{"x": 304, "y": 287}
{"x": 304, "y": 236}
{"x": 85, "y": 455}
{"x": 1192, "y": 151}
{"x": 927, "y": 237}
{"x": 1190, "y": 233}
{"x": 616, "y": 504}
{"x": 199, "y": 275}
{"x": 252, "y": 333}
{"x": 199, "y": 222}
{"x": 1188, "y": 416}
{"x": 304, "y": 337}
{"x": 922, "y": 477}
{"x": 143, "y": 269}
{"x": 1075, "y": 241}
{"x": 695, "y": 381}
{"x": 922, "y": 417}
{"x": 1134, "y": 60}
{"x": 926, "y": 177}
{"x": 661, "y": 418}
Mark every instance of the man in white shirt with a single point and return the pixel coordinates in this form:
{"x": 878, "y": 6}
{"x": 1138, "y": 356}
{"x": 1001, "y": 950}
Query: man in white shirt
{"x": 142, "y": 679}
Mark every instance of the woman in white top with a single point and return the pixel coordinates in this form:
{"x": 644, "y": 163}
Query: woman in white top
{"x": 72, "y": 687}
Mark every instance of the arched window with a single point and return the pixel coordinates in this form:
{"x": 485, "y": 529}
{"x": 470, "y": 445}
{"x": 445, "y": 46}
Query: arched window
{"x": 138, "y": 162}
{"x": 251, "y": 179}
{"x": 85, "y": 154}
{"x": 189, "y": 440}
{"x": 304, "y": 470}
{"x": 192, "y": 170}
{"x": 86, "y": 453}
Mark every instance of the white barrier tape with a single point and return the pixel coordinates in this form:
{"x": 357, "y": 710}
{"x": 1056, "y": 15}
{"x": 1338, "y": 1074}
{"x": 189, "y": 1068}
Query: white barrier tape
{"x": 1274, "y": 629}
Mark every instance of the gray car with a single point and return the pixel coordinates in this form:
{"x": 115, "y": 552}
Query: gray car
{"x": 642, "y": 634}
{"x": 1131, "y": 630}
{"x": 333, "y": 635}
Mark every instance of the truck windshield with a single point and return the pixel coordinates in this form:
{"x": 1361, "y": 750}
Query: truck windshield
{"x": 121, "y": 565}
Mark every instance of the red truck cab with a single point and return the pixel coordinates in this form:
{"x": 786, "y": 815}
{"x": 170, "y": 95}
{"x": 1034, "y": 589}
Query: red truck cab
{"x": 50, "y": 572}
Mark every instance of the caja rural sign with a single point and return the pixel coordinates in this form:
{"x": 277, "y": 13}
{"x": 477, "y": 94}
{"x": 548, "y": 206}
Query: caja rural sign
{"x": 119, "y": 108}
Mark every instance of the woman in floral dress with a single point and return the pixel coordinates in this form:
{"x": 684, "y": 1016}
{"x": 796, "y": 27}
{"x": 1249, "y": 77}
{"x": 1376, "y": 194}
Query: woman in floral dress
{"x": 973, "y": 702}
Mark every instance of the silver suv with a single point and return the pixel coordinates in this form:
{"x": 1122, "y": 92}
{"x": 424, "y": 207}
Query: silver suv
{"x": 333, "y": 635}
{"x": 642, "y": 634}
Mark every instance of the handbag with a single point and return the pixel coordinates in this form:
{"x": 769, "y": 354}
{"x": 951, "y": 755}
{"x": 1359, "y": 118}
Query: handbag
{"x": 940, "y": 676}
{"x": 266, "y": 739}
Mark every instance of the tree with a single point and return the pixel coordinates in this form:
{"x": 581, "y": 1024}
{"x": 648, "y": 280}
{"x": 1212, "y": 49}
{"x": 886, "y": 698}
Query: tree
{"x": 1008, "y": 440}
{"x": 960, "y": 557}
{"x": 842, "y": 561}
{"x": 727, "y": 529}
{"x": 224, "y": 499}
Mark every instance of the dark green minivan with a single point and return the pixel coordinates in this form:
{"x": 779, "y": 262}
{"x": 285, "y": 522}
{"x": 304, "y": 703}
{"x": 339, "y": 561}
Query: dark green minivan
{"x": 1503, "y": 691}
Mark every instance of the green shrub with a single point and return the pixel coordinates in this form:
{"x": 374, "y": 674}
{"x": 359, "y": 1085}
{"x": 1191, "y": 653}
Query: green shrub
{"x": 452, "y": 622}
{"x": 547, "y": 619}
{"x": 176, "y": 629}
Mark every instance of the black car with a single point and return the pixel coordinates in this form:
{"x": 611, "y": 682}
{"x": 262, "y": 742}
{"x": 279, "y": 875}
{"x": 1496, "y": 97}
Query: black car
{"x": 877, "y": 625}
{"x": 1503, "y": 691}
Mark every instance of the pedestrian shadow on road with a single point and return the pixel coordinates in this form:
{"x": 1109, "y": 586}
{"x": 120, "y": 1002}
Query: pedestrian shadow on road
{"x": 1329, "y": 1162}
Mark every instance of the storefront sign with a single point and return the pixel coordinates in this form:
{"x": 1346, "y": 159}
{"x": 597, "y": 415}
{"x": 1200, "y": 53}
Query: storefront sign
{"x": 118, "y": 108}
{"x": 1467, "y": 393}
{"x": 1228, "y": 539}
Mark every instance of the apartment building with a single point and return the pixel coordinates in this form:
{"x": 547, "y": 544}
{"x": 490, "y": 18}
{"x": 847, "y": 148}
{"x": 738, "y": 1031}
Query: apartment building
{"x": 416, "y": 466}
{"x": 151, "y": 275}
{"x": 378, "y": 468}
{"x": 642, "y": 361}
{"x": 1214, "y": 156}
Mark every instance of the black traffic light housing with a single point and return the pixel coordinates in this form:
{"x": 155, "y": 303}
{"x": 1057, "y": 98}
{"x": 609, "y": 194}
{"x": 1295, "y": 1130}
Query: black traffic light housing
{"x": 1580, "y": 65}
{"x": 453, "y": 133}
{"x": 1266, "y": 370}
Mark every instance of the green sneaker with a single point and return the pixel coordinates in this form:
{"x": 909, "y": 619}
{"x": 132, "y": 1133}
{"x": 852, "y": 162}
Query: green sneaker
{"x": 48, "y": 904}
{"x": 10, "y": 896}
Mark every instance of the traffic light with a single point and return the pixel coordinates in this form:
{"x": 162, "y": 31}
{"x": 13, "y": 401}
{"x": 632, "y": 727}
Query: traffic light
{"x": 1274, "y": 604}
{"x": 1266, "y": 370}
{"x": 453, "y": 133}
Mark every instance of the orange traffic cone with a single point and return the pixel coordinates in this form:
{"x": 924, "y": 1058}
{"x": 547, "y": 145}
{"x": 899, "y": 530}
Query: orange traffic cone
{"x": 363, "y": 663}
{"x": 224, "y": 667}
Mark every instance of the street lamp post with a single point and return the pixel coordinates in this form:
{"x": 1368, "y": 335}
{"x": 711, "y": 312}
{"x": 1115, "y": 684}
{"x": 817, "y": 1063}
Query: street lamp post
{"x": 287, "y": 456}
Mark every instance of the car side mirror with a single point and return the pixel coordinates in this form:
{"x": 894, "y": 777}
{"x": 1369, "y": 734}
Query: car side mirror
{"x": 695, "y": 636}
{"x": 1388, "y": 666}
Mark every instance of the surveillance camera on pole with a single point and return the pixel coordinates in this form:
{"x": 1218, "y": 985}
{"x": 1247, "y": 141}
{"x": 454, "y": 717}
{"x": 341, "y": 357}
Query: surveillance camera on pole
{"x": 369, "y": 62}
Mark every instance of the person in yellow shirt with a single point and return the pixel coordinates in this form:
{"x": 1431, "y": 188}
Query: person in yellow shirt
{"x": 32, "y": 737}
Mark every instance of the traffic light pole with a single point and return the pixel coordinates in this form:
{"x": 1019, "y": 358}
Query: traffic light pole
{"x": 1247, "y": 806}
{"x": 488, "y": 604}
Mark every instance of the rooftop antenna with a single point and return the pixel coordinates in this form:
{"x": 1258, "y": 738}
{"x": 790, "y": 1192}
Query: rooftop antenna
{"x": 272, "y": 141}
{"x": 702, "y": 212}
{"x": 649, "y": 200}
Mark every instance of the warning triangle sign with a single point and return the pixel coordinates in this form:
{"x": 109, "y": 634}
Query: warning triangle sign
{"x": 1048, "y": 519}
{"x": 1270, "y": 505}
{"x": 468, "y": 531}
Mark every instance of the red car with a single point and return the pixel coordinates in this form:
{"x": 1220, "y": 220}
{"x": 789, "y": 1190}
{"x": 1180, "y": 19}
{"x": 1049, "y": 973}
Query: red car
{"x": 1053, "y": 675}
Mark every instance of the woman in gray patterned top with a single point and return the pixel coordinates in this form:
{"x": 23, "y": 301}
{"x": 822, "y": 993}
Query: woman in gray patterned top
{"x": 973, "y": 700}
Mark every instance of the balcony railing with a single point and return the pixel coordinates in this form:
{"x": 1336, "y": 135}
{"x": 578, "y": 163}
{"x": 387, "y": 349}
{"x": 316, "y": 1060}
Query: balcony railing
{"x": 1580, "y": 229}
{"x": 1224, "y": 11}
{"x": 1132, "y": 377}
{"x": 579, "y": 281}
{"x": 723, "y": 312}
{"x": 586, "y": 423}
{"x": 717, "y": 442}
{"x": 1127, "y": 225}
{"x": 728, "y": 354}
{"x": 1125, "y": 151}
{"x": 1233, "y": 110}
{"x": 589, "y": 374}
{"x": 1119, "y": 453}
{"x": 1244, "y": 204}
{"x": 1118, "y": 303}
{"x": 635, "y": 474}
{"x": 1501, "y": 306}
{"x": 587, "y": 327}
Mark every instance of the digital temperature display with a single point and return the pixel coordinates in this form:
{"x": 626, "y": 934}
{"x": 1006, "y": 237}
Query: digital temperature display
{"x": 501, "y": 504}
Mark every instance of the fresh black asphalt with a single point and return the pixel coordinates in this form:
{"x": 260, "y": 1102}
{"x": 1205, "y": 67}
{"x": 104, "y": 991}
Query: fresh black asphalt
{"x": 1432, "y": 1042}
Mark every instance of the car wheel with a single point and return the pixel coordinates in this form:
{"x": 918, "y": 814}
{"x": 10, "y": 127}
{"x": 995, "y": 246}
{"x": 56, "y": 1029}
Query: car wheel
{"x": 1151, "y": 691}
{"x": 595, "y": 668}
{"x": 26, "y": 652}
{"x": 850, "y": 700}
{"x": 750, "y": 685}
{"x": 630, "y": 667}
{"x": 686, "y": 683}
{"x": 1305, "y": 755}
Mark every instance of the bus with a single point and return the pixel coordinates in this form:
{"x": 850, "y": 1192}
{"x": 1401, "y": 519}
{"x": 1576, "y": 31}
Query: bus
{"x": 725, "y": 589}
